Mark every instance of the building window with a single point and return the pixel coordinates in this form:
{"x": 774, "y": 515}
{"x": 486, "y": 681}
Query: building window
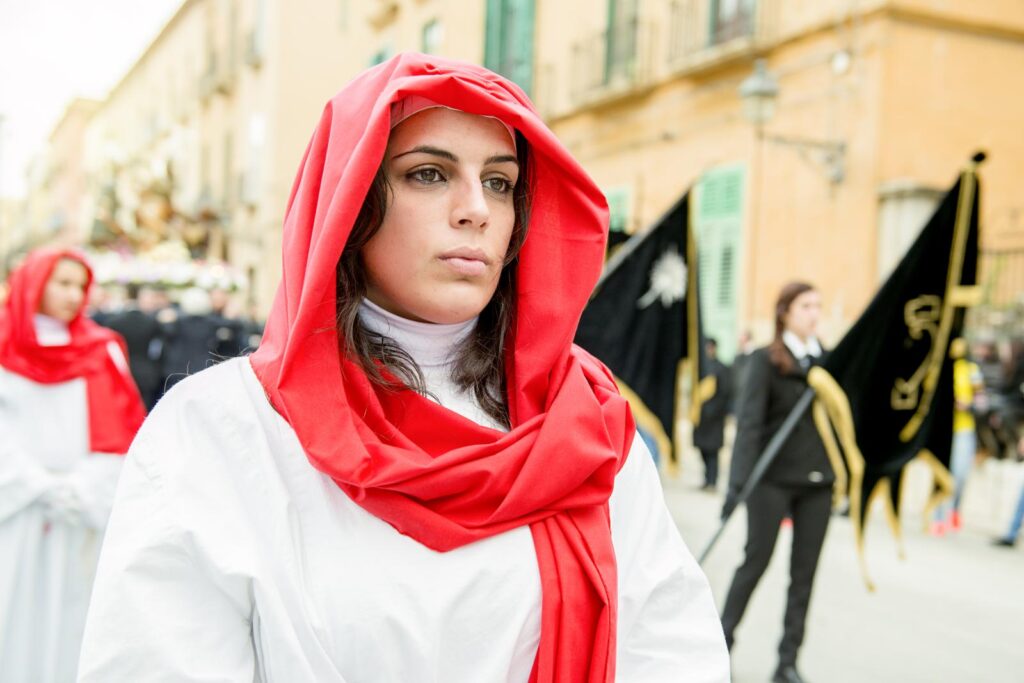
{"x": 620, "y": 40}
{"x": 618, "y": 209}
{"x": 204, "y": 170}
{"x": 731, "y": 19}
{"x": 233, "y": 51}
{"x": 433, "y": 34}
{"x": 618, "y": 216}
{"x": 719, "y": 229}
{"x": 508, "y": 45}
{"x": 380, "y": 55}
{"x": 227, "y": 169}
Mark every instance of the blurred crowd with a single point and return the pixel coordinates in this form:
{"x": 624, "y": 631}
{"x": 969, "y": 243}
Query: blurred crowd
{"x": 999, "y": 406}
{"x": 172, "y": 334}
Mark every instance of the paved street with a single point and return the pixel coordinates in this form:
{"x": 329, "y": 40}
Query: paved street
{"x": 952, "y": 611}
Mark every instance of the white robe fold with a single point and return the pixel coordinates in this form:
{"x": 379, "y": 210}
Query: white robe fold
{"x": 230, "y": 558}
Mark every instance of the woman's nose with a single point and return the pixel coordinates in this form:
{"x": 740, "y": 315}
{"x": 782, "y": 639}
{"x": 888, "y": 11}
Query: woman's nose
{"x": 470, "y": 207}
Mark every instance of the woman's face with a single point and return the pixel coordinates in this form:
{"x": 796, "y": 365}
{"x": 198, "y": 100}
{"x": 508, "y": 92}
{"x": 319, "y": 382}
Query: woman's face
{"x": 802, "y": 317}
{"x": 64, "y": 293}
{"x": 441, "y": 246}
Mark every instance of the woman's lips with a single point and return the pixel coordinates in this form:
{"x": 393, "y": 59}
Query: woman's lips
{"x": 465, "y": 266}
{"x": 466, "y": 261}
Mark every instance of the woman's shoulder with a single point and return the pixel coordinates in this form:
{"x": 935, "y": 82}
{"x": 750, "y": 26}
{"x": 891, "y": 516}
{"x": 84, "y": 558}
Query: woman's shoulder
{"x": 208, "y": 414}
{"x": 210, "y": 389}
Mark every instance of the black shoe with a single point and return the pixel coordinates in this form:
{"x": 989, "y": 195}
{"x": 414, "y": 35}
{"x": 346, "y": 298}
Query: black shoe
{"x": 787, "y": 674}
{"x": 1003, "y": 542}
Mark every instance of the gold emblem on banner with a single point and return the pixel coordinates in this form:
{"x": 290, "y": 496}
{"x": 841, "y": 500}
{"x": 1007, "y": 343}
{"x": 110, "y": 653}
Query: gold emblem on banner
{"x": 922, "y": 316}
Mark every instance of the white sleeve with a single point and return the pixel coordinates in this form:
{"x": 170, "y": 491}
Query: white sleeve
{"x": 22, "y": 479}
{"x": 157, "y": 613}
{"x": 94, "y": 482}
{"x": 668, "y": 628}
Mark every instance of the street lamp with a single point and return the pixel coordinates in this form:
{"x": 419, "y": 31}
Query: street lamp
{"x": 759, "y": 92}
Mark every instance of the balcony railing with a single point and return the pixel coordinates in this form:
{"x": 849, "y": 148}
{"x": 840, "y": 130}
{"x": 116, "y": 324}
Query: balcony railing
{"x": 698, "y": 31}
{"x": 611, "y": 62}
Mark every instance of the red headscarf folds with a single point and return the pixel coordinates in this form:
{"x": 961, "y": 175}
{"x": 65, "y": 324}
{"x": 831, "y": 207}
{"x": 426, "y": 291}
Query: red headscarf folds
{"x": 428, "y": 472}
{"x": 115, "y": 408}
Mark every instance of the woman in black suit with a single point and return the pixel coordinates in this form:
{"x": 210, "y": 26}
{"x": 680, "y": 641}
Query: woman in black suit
{"x": 797, "y": 485}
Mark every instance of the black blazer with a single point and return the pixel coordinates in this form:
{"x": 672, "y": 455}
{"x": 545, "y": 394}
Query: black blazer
{"x": 767, "y": 397}
{"x": 140, "y": 330}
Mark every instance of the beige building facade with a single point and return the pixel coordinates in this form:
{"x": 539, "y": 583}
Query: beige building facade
{"x": 879, "y": 104}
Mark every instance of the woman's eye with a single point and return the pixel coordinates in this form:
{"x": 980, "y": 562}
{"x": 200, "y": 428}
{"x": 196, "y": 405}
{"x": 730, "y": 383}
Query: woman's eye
{"x": 426, "y": 175}
{"x": 499, "y": 185}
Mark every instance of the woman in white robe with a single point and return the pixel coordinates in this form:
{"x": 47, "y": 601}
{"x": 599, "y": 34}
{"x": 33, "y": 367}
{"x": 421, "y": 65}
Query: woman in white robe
{"x": 58, "y": 463}
{"x": 416, "y": 477}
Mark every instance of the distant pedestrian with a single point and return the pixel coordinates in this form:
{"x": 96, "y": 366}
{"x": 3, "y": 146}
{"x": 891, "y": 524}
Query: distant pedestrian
{"x": 967, "y": 386}
{"x": 144, "y": 335}
{"x": 709, "y": 434}
{"x": 797, "y": 485}
{"x": 744, "y": 348}
{"x": 68, "y": 411}
{"x": 1009, "y": 539}
{"x": 197, "y": 338}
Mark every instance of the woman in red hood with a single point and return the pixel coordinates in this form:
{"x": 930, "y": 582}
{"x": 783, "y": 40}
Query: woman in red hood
{"x": 68, "y": 412}
{"x": 417, "y": 477}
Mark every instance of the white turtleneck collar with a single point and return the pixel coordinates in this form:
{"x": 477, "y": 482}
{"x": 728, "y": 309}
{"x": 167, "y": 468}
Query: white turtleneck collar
{"x": 800, "y": 348}
{"x": 50, "y": 331}
{"x": 429, "y": 344}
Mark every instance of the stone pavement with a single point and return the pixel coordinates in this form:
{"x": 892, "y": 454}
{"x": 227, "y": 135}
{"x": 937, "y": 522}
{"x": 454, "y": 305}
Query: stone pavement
{"x": 952, "y": 611}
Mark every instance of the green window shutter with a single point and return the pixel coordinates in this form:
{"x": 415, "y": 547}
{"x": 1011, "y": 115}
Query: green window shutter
{"x": 620, "y": 40}
{"x": 380, "y": 56}
{"x": 618, "y": 209}
{"x": 492, "y": 34}
{"x": 719, "y": 224}
{"x": 430, "y": 37}
{"x": 508, "y": 40}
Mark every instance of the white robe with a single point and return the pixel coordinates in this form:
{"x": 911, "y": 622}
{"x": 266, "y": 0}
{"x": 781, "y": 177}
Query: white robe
{"x": 230, "y": 558}
{"x": 55, "y": 497}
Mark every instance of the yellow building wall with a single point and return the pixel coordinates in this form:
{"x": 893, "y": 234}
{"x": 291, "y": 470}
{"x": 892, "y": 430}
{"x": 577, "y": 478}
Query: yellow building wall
{"x": 927, "y": 83}
{"x": 947, "y": 95}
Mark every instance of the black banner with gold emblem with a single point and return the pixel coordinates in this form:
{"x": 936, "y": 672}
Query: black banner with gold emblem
{"x": 643, "y": 321}
{"x": 887, "y": 388}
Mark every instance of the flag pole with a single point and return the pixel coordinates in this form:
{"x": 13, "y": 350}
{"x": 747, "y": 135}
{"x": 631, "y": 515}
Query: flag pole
{"x": 771, "y": 452}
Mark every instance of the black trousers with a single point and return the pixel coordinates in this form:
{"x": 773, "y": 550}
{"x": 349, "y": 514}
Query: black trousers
{"x": 710, "y": 466}
{"x": 809, "y": 508}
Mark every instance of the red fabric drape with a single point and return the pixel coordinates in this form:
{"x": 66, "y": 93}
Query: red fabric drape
{"x": 115, "y": 408}
{"x": 427, "y": 471}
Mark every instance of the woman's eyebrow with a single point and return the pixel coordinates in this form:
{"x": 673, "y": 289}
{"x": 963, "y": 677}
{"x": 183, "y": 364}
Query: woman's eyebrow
{"x": 427, "y": 149}
{"x": 445, "y": 154}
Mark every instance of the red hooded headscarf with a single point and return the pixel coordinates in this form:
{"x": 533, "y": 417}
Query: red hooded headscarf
{"x": 115, "y": 408}
{"x": 425, "y": 470}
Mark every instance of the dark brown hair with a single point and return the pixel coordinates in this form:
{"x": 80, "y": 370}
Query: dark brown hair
{"x": 480, "y": 360}
{"x": 781, "y": 358}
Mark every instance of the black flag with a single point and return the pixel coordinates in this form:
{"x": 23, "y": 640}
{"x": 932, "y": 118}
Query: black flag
{"x": 643, "y": 320}
{"x": 887, "y": 387}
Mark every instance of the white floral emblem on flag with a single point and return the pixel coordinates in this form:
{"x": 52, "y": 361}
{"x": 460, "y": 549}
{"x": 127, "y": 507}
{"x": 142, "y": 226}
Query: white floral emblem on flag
{"x": 668, "y": 280}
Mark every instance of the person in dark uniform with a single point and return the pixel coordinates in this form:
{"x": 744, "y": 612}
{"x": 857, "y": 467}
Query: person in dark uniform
{"x": 138, "y": 325}
{"x": 709, "y": 435}
{"x": 798, "y": 484}
{"x": 744, "y": 347}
